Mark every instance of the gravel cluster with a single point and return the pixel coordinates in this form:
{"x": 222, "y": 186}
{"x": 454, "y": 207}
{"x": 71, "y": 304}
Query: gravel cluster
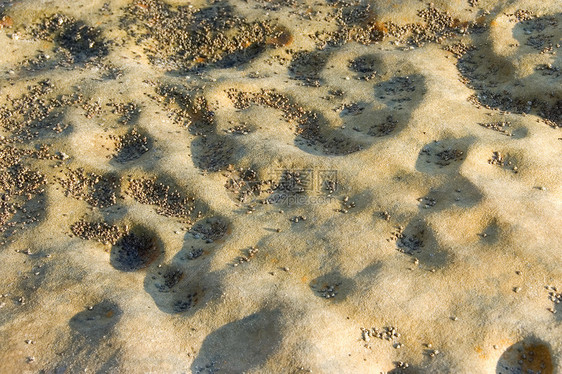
{"x": 97, "y": 190}
{"x": 308, "y": 123}
{"x": 168, "y": 279}
{"x": 18, "y": 186}
{"x": 185, "y": 37}
{"x": 37, "y": 112}
{"x": 210, "y": 229}
{"x": 245, "y": 184}
{"x": 328, "y": 291}
{"x": 441, "y": 154}
{"x": 130, "y": 146}
{"x": 306, "y": 66}
{"x": 437, "y": 26}
{"x": 83, "y": 42}
{"x": 408, "y": 243}
{"x": 168, "y": 202}
{"x": 98, "y": 231}
{"x": 384, "y": 128}
{"x": 129, "y": 112}
{"x": 251, "y": 252}
{"x": 501, "y": 127}
{"x": 188, "y": 302}
{"x": 479, "y": 73}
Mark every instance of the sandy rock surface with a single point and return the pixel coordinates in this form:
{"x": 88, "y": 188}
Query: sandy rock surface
{"x": 280, "y": 186}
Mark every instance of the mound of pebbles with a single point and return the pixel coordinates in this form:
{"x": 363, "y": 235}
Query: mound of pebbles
{"x": 167, "y": 201}
{"x": 210, "y": 229}
{"x": 97, "y": 190}
{"x": 98, "y": 231}
{"x": 184, "y": 37}
{"x": 82, "y": 42}
{"x": 36, "y": 112}
{"x": 359, "y": 23}
{"x": 130, "y": 146}
{"x": 18, "y": 185}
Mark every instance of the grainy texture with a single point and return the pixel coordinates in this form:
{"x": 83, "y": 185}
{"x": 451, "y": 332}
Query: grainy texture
{"x": 271, "y": 186}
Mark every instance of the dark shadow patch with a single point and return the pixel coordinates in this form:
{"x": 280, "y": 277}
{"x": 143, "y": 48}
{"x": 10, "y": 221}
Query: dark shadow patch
{"x": 172, "y": 291}
{"x": 459, "y": 191}
{"x": 332, "y": 286}
{"x": 398, "y": 90}
{"x": 211, "y": 229}
{"x": 90, "y": 342}
{"x": 241, "y": 57}
{"x": 186, "y": 284}
{"x": 182, "y": 300}
{"x": 212, "y": 153}
{"x": 418, "y": 240}
{"x": 136, "y": 250}
{"x": 307, "y": 66}
{"x": 166, "y": 278}
{"x": 384, "y": 127}
{"x": 131, "y": 146}
{"x": 496, "y": 78}
{"x": 241, "y": 345}
{"x": 529, "y": 356}
{"x": 82, "y": 42}
{"x": 366, "y": 65}
{"x": 112, "y": 364}
{"x": 492, "y": 233}
{"x": 442, "y": 156}
{"x": 96, "y": 321}
{"x": 405, "y": 368}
